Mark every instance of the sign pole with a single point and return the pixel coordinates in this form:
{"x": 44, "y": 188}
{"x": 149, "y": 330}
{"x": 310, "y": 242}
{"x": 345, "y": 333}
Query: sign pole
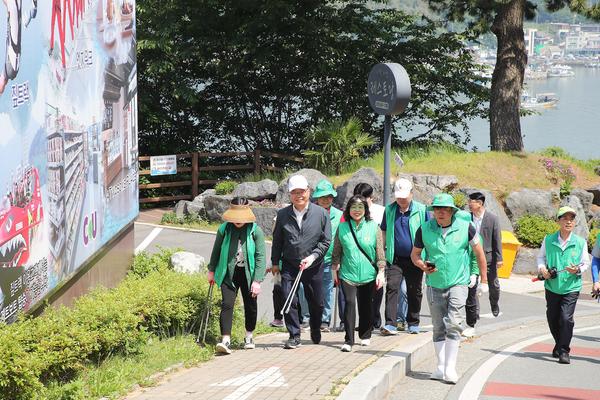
{"x": 387, "y": 149}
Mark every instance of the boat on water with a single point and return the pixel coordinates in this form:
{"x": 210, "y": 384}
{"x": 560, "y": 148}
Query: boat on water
{"x": 540, "y": 100}
{"x": 560, "y": 71}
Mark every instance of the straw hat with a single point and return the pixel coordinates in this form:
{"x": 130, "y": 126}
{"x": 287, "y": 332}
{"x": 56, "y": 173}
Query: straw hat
{"x": 239, "y": 214}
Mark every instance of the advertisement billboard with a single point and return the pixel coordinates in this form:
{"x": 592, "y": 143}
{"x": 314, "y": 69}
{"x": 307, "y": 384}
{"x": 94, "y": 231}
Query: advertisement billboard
{"x": 68, "y": 140}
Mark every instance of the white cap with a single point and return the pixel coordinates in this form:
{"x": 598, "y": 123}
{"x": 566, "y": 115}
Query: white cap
{"x": 297, "y": 182}
{"x": 402, "y": 188}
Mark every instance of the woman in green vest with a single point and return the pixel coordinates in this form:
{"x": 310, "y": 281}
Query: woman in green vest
{"x": 238, "y": 262}
{"x": 358, "y": 262}
{"x": 562, "y": 258}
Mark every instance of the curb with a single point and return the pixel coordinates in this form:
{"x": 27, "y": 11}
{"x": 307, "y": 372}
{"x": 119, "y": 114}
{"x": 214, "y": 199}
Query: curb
{"x": 379, "y": 378}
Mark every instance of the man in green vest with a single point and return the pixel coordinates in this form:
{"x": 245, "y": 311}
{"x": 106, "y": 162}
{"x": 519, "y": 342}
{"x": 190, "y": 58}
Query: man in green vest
{"x": 401, "y": 219}
{"x": 324, "y": 195}
{"x": 562, "y": 258}
{"x": 445, "y": 241}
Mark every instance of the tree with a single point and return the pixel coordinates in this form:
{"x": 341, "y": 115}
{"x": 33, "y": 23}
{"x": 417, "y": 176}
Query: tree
{"x": 235, "y": 75}
{"x": 504, "y": 18}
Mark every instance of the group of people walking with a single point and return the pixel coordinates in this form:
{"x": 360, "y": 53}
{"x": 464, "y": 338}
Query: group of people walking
{"x": 367, "y": 247}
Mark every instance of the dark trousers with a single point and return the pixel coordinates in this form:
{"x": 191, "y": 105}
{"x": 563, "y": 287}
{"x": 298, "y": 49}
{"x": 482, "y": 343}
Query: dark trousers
{"x": 229, "y": 294}
{"x": 559, "y": 312}
{"x": 363, "y": 296}
{"x": 312, "y": 279}
{"x": 472, "y": 306}
{"x": 403, "y": 267}
{"x": 278, "y": 300}
{"x": 377, "y": 298}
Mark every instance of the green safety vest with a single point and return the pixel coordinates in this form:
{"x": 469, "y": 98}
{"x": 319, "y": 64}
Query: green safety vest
{"x": 416, "y": 218}
{"x": 355, "y": 267}
{"x": 450, "y": 254}
{"x": 334, "y": 215}
{"x": 558, "y": 258}
{"x": 249, "y": 251}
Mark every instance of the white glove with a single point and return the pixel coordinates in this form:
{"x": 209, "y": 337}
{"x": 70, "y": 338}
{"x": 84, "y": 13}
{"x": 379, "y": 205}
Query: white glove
{"x": 483, "y": 288}
{"x": 307, "y": 262}
{"x": 472, "y": 281}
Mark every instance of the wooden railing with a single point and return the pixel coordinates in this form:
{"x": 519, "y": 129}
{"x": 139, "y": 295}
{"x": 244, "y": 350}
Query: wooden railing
{"x": 193, "y": 165}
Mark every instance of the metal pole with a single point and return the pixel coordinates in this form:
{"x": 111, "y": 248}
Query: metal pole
{"x": 387, "y": 146}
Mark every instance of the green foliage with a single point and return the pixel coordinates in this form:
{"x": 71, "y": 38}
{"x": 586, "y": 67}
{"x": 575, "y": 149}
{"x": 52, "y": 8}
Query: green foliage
{"x": 460, "y": 200}
{"x": 560, "y": 153}
{"x": 531, "y": 229}
{"x": 593, "y": 237}
{"x": 335, "y": 145}
{"x": 225, "y": 187}
{"x": 559, "y": 173}
{"x": 145, "y": 263}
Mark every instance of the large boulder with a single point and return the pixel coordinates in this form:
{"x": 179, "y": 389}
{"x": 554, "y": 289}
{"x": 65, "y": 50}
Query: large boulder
{"x": 265, "y": 218}
{"x": 526, "y": 262}
{"x": 595, "y": 191}
{"x": 363, "y": 175}
{"x": 581, "y": 228}
{"x": 586, "y": 199}
{"x": 531, "y": 201}
{"x": 187, "y": 263}
{"x": 258, "y": 191}
{"x": 180, "y": 208}
{"x": 312, "y": 176}
{"x": 426, "y": 186}
{"x": 492, "y": 205}
{"x": 215, "y": 205}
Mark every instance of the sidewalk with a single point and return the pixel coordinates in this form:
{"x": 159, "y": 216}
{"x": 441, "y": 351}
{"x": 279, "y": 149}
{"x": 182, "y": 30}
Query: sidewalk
{"x": 152, "y": 215}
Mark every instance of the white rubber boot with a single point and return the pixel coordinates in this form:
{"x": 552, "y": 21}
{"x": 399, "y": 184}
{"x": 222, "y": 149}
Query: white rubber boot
{"x": 450, "y": 374}
{"x": 440, "y": 353}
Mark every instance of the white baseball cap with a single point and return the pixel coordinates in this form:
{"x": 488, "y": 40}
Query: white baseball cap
{"x": 297, "y": 182}
{"x": 402, "y": 188}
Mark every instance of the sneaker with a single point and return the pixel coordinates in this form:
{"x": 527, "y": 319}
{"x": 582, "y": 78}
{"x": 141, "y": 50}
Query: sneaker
{"x": 315, "y": 336}
{"x": 495, "y": 311}
{"x": 564, "y": 358}
{"x": 223, "y": 348}
{"x": 413, "y": 329}
{"x": 401, "y": 326}
{"x": 388, "y": 330}
{"x": 469, "y": 332}
{"x": 365, "y": 342}
{"x": 346, "y": 348}
{"x": 292, "y": 343}
{"x": 249, "y": 343}
{"x": 277, "y": 323}
{"x": 325, "y": 327}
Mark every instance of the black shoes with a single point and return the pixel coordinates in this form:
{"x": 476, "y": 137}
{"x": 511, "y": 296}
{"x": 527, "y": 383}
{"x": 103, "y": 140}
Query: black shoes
{"x": 555, "y": 352}
{"x": 564, "y": 358}
{"x": 292, "y": 343}
{"x": 495, "y": 310}
{"x": 315, "y": 336}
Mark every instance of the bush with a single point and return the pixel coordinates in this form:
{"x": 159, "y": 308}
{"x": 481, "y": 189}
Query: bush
{"x": 225, "y": 187}
{"x": 593, "y": 237}
{"x": 460, "y": 200}
{"x": 531, "y": 229}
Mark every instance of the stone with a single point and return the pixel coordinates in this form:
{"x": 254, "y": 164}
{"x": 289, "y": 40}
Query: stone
{"x": 492, "y": 205}
{"x": 201, "y": 196}
{"x": 595, "y": 191}
{"x": 581, "y": 228}
{"x": 586, "y": 199}
{"x": 363, "y": 175}
{"x": 215, "y": 205}
{"x": 187, "y": 262}
{"x": 426, "y": 186}
{"x": 526, "y": 262}
{"x": 265, "y": 218}
{"x": 257, "y": 191}
{"x": 180, "y": 208}
{"x": 532, "y": 201}
{"x": 312, "y": 176}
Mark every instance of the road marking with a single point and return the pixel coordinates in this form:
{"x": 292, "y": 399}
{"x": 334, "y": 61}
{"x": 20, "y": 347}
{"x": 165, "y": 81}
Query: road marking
{"x": 479, "y": 378}
{"x": 248, "y": 384}
{"x": 503, "y": 389}
{"x": 490, "y": 315}
{"x": 146, "y": 242}
{"x": 575, "y": 350}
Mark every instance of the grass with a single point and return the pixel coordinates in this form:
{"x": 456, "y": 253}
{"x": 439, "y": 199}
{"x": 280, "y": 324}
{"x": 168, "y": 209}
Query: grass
{"x": 189, "y": 222}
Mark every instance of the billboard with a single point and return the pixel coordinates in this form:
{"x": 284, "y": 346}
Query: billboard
{"x": 68, "y": 140}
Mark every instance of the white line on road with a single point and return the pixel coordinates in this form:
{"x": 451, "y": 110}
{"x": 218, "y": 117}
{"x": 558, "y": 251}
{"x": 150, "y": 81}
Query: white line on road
{"x": 475, "y": 385}
{"x": 248, "y": 384}
{"x": 151, "y": 236}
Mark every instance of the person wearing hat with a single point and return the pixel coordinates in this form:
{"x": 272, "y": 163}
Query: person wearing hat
{"x": 301, "y": 239}
{"x": 238, "y": 261}
{"x": 324, "y": 194}
{"x": 400, "y": 222}
{"x": 566, "y": 254}
{"x": 446, "y": 240}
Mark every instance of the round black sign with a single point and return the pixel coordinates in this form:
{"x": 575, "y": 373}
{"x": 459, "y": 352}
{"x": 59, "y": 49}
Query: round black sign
{"x": 388, "y": 88}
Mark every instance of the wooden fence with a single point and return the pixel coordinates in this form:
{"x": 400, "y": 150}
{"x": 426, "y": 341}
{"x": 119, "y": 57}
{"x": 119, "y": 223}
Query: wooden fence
{"x": 194, "y": 166}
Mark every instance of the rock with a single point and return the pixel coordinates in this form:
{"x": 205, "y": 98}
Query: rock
{"x": 526, "y": 262}
{"x": 595, "y": 191}
{"x": 597, "y": 170}
{"x": 363, "y": 175}
{"x": 531, "y": 201}
{"x": 492, "y": 205}
{"x": 258, "y": 191}
{"x": 180, "y": 208}
{"x": 187, "y": 263}
{"x": 265, "y": 218}
{"x": 426, "y": 186}
{"x": 581, "y": 228}
{"x": 586, "y": 199}
{"x": 312, "y": 176}
{"x": 201, "y": 196}
{"x": 215, "y": 205}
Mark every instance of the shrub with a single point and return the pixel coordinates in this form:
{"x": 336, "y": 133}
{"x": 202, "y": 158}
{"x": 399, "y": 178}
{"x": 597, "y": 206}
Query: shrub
{"x": 460, "y": 200}
{"x": 593, "y": 237}
{"x": 531, "y": 229}
{"x": 225, "y": 187}
{"x": 144, "y": 263}
{"x": 559, "y": 173}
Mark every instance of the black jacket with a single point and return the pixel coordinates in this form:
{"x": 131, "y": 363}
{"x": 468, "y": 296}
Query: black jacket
{"x": 492, "y": 237}
{"x": 292, "y": 244}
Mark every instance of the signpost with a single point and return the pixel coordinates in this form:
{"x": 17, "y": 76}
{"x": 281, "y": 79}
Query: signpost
{"x": 389, "y": 92}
